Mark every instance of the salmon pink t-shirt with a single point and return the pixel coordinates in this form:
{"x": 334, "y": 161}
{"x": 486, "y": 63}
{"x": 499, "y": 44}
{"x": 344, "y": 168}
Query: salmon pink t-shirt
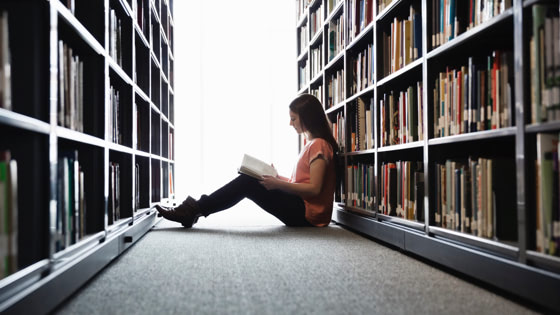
{"x": 318, "y": 209}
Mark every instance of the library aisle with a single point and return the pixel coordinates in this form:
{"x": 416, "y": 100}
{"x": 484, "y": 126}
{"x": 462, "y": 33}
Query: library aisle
{"x": 223, "y": 266}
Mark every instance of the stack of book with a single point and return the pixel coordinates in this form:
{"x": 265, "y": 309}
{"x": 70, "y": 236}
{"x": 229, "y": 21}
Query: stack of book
{"x": 115, "y": 38}
{"x": 335, "y": 88}
{"x": 547, "y": 175}
{"x": 362, "y": 67}
{"x": 71, "y": 206}
{"x": 114, "y": 192}
{"x": 335, "y": 37}
{"x": 401, "y": 116}
{"x": 114, "y": 116}
{"x": 316, "y": 60}
{"x": 339, "y": 131}
{"x": 316, "y": 20}
{"x": 545, "y": 64}
{"x": 469, "y": 194}
{"x": 360, "y": 15}
{"x": 360, "y": 186}
{"x": 401, "y": 190}
{"x": 5, "y": 64}
{"x": 8, "y": 214}
{"x": 71, "y": 88}
{"x": 474, "y": 97}
{"x": 403, "y": 44}
{"x": 361, "y": 126}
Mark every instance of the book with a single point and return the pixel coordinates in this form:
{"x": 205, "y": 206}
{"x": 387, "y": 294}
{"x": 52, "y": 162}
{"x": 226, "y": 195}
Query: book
{"x": 5, "y": 64}
{"x": 256, "y": 168}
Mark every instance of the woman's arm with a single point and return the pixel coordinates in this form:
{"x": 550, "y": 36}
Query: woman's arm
{"x": 318, "y": 169}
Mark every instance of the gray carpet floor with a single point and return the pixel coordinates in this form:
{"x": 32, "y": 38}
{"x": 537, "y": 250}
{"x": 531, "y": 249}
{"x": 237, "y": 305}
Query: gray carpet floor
{"x": 273, "y": 269}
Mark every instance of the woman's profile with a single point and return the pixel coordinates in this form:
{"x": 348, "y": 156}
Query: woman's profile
{"x": 304, "y": 199}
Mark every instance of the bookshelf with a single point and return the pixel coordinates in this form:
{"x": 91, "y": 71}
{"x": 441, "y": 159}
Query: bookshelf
{"x": 87, "y": 123}
{"x": 448, "y": 122}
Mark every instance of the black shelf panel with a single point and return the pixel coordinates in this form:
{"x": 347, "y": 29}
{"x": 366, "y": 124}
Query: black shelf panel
{"x": 400, "y": 221}
{"x": 506, "y": 250}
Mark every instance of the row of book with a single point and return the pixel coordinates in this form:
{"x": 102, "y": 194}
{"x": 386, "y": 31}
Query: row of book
{"x": 359, "y": 15}
{"x": 9, "y": 251}
{"x": 303, "y": 37}
{"x": 474, "y": 97}
{"x": 114, "y": 115}
{"x": 401, "y": 116}
{"x": 303, "y": 74}
{"x": 71, "y": 201}
{"x": 362, "y": 68}
{"x": 331, "y": 4}
{"x": 360, "y": 187}
{"x": 5, "y": 63}
{"x": 136, "y": 187}
{"x": 114, "y": 192}
{"x": 170, "y": 145}
{"x": 383, "y": 4}
{"x": 115, "y": 38}
{"x": 335, "y": 37}
{"x": 316, "y": 19}
{"x": 317, "y": 91}
{"x": 451, "y": 17}
{"x": 70, "y": 88}
{"x": 335, "y": 88}
{"x": 545, "y": 63}
{"x": 403, "y": 43}
{"x": 477, "y": 196}
{"x": 301, "y": 6}
{"x": 338, "y": 128}
{"x": 401, "y": 190}
{"x": 140, "y": 11}
{"x": 360, "y": 123}
{"x": 316, "y": 60}
{"x": 547, "y": 193}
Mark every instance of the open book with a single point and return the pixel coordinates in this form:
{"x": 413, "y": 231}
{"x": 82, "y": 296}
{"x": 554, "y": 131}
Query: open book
{"x": 256, "y": 168}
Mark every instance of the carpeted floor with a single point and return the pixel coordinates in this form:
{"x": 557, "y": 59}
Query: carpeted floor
{"x": 216, "y": 268}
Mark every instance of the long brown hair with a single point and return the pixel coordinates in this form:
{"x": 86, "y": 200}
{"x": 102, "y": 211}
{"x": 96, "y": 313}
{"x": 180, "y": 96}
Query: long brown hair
{"x": 313, "y": 118}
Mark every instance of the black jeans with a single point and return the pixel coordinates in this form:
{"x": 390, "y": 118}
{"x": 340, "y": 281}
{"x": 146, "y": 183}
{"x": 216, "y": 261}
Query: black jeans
{"x": 288, "y": 208}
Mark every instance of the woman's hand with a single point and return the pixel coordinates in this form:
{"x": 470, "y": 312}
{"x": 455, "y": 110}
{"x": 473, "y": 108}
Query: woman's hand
{"x": 271, "y": 182}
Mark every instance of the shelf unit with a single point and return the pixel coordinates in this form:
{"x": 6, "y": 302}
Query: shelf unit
{"x": 91, "y": 128}
{"x": 502, "y": 249}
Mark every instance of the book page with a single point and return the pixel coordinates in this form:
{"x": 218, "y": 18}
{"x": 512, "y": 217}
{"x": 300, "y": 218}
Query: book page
{"x": 256, "y": 168}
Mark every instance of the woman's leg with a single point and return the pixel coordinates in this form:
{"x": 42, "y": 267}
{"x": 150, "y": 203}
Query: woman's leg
{"x": 288, "y": 208}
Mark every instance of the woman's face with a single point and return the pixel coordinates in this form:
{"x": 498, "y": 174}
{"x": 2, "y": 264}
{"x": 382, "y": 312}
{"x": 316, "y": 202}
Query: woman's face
{"x": 295, "y": 122}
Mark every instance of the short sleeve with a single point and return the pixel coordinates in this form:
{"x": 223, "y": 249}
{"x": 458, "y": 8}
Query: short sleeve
{"x": 320, "y": 149}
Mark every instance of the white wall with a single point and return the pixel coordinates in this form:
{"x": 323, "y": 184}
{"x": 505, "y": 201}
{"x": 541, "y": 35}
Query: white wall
{"x": 235, "y": 74}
